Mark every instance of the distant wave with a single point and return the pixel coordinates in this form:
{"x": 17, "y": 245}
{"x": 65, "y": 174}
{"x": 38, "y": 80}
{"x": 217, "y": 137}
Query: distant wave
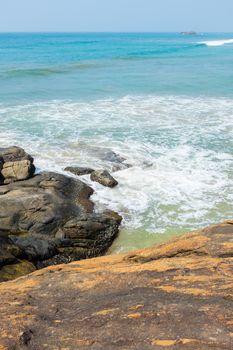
{"x": 216, "y": 42}
{"x": 30, "y": 72}
{"x": 45, "y": 71}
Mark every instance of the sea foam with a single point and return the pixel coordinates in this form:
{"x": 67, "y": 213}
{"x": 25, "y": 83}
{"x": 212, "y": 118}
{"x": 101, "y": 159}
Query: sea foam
{"x": 179, "y": 150}
{"x": 217, "y": 42}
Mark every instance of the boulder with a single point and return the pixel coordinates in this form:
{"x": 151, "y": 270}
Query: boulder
{"x": 15, "y": 165}
{"x": 175, "y": 296}
{"x": 77, "y": 170}
{"x": 104, "y": 178}
{"x": 17, "y": 171}
{"x": 12, "y": 154}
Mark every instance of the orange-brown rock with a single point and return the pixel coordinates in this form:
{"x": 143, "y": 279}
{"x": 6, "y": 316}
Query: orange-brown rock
{"x": 178, "y": 295}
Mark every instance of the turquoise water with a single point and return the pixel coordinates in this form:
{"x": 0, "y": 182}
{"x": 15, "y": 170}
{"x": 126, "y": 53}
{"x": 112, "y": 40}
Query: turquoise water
{"x": 91, "y": 66}
{"x": 162, "y": 101}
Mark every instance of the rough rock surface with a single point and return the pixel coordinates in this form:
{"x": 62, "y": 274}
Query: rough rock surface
{"x": 15, "y": 164}
{"x": 104, "y": 178}
{"x": 175, "y": 296}
{"x": 48, "y": 219}
{"x": 77, "y": 170}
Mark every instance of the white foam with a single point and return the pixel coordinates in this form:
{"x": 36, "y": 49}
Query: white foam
{"x": 180, "y": 150}
{"x": 217, "y": 42}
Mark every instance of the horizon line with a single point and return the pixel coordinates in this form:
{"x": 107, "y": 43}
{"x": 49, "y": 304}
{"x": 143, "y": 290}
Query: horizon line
{"x": 111, "y": 32}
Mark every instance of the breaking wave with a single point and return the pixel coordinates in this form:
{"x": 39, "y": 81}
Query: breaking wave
{"x": 179, "y": 149}
{"x": 217, "y": 42}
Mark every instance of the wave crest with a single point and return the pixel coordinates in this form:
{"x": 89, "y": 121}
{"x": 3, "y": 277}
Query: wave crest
{"x": 217, "y": 42}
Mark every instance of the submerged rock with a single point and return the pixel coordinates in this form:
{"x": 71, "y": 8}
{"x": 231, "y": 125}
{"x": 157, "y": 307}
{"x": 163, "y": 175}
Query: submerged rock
{"x": 48, "y": 219}
{"x": 77, "y": 170}
{"x": 175, "y": 296}
{"x": 113, "y": 157}
{"x": 104, "y": 178}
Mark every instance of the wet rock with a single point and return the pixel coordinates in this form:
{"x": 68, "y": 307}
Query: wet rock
{"x": 113, "y": 157}
{"x": 15, "y": 270}
{"x": 79, "y": 170}
{"x": 33, "y": 248}
{"x": 175, "y": 296}
{"x": 47, "y": 219}
{"x": 85, "y": 236}
{"x": 8, "y": 251}
{"x": 104, "y": 178}
{"x": 117, "y": 161}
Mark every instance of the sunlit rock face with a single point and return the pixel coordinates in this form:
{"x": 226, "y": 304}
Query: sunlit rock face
{"x": 178, "y": 295}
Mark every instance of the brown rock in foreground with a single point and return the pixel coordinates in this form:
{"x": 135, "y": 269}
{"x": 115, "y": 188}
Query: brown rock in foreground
{"x": 178, "y": 295}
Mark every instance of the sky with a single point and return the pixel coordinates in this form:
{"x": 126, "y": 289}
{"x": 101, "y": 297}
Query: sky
{"x": 115, "y": 15}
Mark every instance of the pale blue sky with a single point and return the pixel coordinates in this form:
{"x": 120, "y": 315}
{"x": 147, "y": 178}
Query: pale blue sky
{"x": 116, "y": 15}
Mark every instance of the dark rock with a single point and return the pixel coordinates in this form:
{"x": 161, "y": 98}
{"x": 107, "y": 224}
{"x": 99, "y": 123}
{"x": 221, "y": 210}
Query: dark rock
{"x": 34, "y": 248}
{"x": 25, "y": 337}
{"x": 104, "y": 178}
{"x": 41, "y": 204}
{"x": 76, "y": 170}
{"x": 86, "y": 236}
{"x": 113, "y": 157}
{"x": 48, "y": 219}
{"x": 117, "y": 161}
{"x": 15, "y": 270}
{"x": 8, "y": 251}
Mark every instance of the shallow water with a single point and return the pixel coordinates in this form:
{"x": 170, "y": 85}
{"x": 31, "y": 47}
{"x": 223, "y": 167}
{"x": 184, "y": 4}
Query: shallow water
{"x": 164, "y": 102}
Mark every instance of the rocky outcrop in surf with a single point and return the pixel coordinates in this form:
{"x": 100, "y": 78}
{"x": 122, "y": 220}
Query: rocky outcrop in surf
{"x": 79, "y": 171}
{"x": 47, "y": 218}
{"x": 175, "y": 296}
{"x": 104, "y": 178}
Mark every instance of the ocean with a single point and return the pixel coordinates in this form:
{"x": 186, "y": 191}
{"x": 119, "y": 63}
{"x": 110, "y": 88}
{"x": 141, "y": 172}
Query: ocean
{"x": 161, "y": 101}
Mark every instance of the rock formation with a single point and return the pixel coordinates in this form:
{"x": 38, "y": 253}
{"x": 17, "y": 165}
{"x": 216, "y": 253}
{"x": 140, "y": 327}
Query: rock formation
{"x": 15, "y": 164}
{"x": 175, "y": 296}
{"x": 47, "y": 218}
{"x": 78, "y": 170}
{"x": 104, "y": 178}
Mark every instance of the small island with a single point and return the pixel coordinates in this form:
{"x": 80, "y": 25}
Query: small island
{"x": 189, "y": 33}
